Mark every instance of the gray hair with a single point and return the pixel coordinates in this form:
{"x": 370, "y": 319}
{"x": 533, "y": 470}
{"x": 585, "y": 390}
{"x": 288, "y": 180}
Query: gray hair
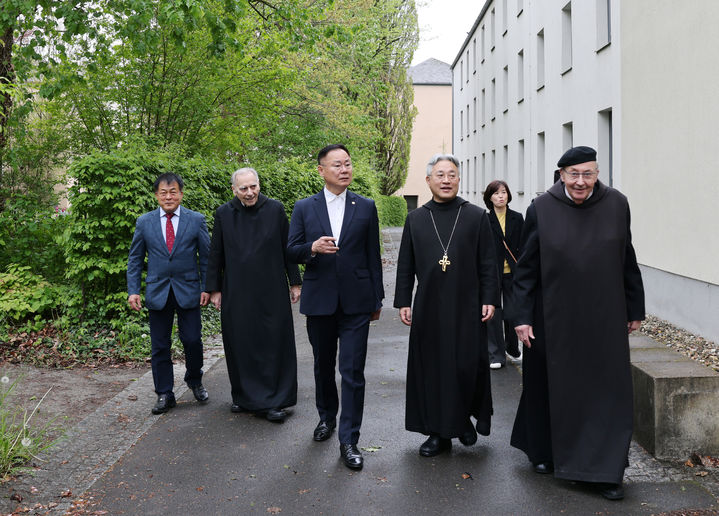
{"x": 242, "y": 172}
{"x": 441, "y": 157}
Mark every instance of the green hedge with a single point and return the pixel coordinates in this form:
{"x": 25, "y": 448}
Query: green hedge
{"x": 392, "y": 210}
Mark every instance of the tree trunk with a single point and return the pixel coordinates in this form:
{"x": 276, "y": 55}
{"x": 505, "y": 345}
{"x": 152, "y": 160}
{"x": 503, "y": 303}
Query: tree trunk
{"x": 7, "y": 77}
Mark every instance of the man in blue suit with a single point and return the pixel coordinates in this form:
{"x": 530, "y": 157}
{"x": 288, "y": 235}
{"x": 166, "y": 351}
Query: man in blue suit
{"x": 336, "y": 233}
{"x": 177, "y": 246}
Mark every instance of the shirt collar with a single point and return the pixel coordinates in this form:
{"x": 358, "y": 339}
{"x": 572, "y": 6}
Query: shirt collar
{"x": 329, "y": 196}
{"x": 163, "y": 212}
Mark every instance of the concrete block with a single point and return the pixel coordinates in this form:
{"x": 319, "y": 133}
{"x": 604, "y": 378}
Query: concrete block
{"x": 676, "y": 402}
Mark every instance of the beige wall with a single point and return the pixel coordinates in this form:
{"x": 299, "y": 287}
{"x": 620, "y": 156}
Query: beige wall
{"x": 670, "y": 140}
{"x": 432, "y": 133}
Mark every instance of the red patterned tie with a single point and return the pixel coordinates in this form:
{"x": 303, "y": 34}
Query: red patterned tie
{"x": 170, "y": 232}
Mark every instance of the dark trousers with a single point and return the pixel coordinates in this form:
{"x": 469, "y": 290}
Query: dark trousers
{"x": 324, "y": 332}
{"x": 500, "y": 341}
{"x": 189, "y": 326}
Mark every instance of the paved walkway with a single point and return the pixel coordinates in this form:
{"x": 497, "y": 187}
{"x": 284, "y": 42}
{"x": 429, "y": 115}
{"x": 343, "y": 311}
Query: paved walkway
{"x": 206, "y": 460}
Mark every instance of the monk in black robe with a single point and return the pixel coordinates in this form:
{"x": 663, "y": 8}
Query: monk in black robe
{"x": 448, "y": 245}
{"x": 578, "y": 294}
{"x": 247, "y": 278}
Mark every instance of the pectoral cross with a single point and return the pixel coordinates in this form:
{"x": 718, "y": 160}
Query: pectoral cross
{"x": 444, "y": 262}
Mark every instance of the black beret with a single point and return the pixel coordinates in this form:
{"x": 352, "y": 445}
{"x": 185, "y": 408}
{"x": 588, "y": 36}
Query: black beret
{"x": 577, "y": 155}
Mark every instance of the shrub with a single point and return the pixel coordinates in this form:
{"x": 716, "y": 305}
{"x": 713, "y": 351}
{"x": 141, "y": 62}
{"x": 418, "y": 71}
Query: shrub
{"x": 392, "y": 210}
{"x": 26, "y": 297}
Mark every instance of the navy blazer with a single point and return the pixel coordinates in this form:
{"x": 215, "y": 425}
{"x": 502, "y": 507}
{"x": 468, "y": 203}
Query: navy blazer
{"x": 184, "y": 269}
{"x": 351, "y": 277}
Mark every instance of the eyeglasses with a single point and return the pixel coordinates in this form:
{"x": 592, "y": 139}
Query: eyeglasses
{"x": 441, "y": 175}
{"x": 584, "y": 175}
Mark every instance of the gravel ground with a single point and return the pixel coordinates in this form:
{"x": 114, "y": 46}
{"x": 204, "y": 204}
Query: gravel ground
{"x": 686, "y": 343}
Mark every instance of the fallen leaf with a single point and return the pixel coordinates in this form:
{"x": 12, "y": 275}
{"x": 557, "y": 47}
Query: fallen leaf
{"x": 304, "y": 491}
{"x": 16, "y": 497}
{"x": 132, "y": 397}
{"x": 200, "y": 488}
{"x": 66, "y": 494}
{"x": 689, "y": 463}
{"x": 33, "y": 489}
{"x": 467, "y": 476}
{"x": 701, "y": 473}
{"x": 371, "y": 449}
{"x": 274, "y": 510}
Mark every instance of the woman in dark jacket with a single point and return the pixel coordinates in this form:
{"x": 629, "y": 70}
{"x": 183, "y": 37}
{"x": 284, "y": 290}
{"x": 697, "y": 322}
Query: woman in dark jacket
{"x": 507, "y": 229}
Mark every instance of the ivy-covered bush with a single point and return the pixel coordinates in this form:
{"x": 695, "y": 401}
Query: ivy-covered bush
{"x": 392, "y": 210}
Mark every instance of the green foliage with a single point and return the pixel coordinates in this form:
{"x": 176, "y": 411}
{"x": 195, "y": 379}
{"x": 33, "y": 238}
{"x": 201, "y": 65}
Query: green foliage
{"x": 392, "y": 210}
{"x": 19, "y": 442}
{"x": 26, "y": 297}
{"x": 111, "y": 190}
{"x": 29, "y": 234}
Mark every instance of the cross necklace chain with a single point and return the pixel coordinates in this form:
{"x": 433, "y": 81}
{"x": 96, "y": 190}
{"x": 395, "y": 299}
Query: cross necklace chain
{"x": 444, "y": 262}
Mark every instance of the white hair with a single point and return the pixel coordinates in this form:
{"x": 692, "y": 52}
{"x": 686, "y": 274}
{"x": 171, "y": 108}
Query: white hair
{"x": 441, "y": 157}
{"x": 242, "y": 172}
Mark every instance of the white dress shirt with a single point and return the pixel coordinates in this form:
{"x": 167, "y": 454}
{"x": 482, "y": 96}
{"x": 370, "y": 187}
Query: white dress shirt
{"x": 163, "y": 222}
{"x": 336, "y": 211}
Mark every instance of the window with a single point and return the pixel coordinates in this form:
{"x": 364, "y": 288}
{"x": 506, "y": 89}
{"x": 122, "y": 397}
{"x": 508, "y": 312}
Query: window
{"x": 605, "y": 150}
{"x": 520, "y": 7}
{"x": 505, "y": 162}
{"x": 520, "y": 76}
{"x": 461, "y": 75}
{"x": 467, "y": 65}
{"x": 567, "y": 136}
{"x": 567, "y": 38}
{"x": 604, "y": 23}
{"x": 540, "y": 59}
{"x": 474, "y": 118}
{"x": 493, "y": 164}
{"x": 468, "y": 119}
{"x": 504, "y": 17}
{"x": 492, "y": 98}
{"x": 474, "y": 177}
{"x": 484, "y": 44}
{"x": 540, "y": 162}
{"x": 484, "y": 169}
{"x": 484, "y": 107}
{"x": 520, "y": 167}
{"x": 492, "y": 31}
{"x": 461, "y": 125}
{"x": 474, "y": 53}
{"x": 505, "y": 89}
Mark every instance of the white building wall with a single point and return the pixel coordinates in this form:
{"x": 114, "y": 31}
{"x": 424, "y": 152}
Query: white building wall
{"x": 574, "y": 94}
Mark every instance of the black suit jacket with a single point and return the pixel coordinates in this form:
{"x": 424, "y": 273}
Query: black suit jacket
{"x": 513, "y": 233}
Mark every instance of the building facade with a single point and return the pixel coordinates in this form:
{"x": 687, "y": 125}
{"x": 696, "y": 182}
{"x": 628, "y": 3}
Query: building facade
{"x": 432, "y": 129}
{"x": 631, "y": 79}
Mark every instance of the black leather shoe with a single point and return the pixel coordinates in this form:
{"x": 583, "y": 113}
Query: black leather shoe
{"x": 276, "y": 415}
{"x": 544, "y": 467}
{"x": 513, "y": 351}
{"x": 164, "y": 403}
{"x": 434, "y": 446}
{"x": 200, "y": 393}
{"x": 483, "y": 428}
{"x": 323, "y": 430}
{"x": 611, "y": 491}
{"x": 351, "y": 456}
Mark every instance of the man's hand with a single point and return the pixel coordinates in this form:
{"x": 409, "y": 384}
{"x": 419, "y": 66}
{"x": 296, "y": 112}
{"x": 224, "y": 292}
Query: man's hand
{"x": 204, "y": 298}
{"x": 405, "y": 315}
{"x": 375, "y": 315}
{"x": 134, "y": 301}
{"x": 295, "y": 291}
{"x": 633, "y": 325}
{"x": 524, "y": 333}
{"x": 216, "y": 299}
{"x": 487, "y": 312}
{"x": 324, "y": 245}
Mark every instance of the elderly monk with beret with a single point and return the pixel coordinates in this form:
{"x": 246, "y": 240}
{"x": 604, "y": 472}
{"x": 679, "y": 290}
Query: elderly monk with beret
{"x": 578, "y": 294}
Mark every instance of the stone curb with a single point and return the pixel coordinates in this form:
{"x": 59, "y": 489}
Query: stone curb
{"x": 96, "y": 443}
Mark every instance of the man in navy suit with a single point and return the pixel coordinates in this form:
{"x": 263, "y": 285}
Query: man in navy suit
{"x": 177, "y": 246}
{"x": 336, "y": 233}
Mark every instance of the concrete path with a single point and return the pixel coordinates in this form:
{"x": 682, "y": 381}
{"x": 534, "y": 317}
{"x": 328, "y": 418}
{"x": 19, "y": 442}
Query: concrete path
{"x": 206, "y": 460}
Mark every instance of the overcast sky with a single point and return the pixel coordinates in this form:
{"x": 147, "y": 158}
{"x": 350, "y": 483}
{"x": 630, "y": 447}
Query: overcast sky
{"x": 443, "y": 27}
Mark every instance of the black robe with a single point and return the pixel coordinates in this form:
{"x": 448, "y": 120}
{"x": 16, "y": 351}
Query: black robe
{"x": 577, "y": 283}
{"x": 448, "y": 369}
{"x": 249, "y": 266}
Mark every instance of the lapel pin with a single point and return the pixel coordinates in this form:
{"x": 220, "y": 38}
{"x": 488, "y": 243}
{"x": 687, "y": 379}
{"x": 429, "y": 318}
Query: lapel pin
{"x": 353, "y": 202}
